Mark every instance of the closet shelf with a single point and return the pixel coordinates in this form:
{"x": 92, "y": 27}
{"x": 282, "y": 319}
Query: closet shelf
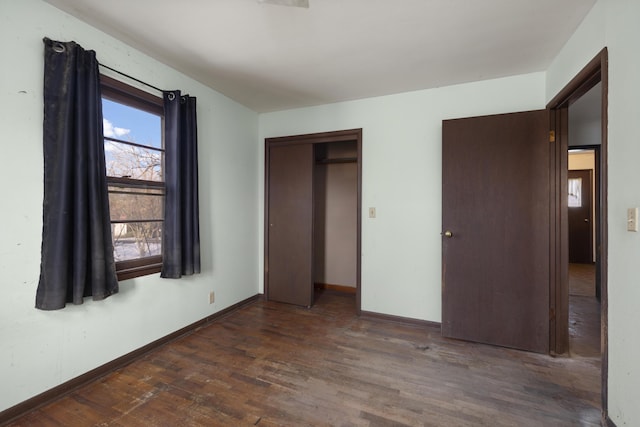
{"x": 339, "y": 160}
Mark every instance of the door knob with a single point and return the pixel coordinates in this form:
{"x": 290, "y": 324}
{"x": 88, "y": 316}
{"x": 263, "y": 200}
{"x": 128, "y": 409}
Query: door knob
{"x": 586, "y": 220}
{"x": 448, "y": 234}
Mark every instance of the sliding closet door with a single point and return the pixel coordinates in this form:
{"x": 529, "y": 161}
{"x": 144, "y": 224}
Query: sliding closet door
{"x": 290, "y": 224}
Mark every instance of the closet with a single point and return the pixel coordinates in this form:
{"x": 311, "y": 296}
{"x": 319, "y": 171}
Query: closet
{"x": 312, "y": 215}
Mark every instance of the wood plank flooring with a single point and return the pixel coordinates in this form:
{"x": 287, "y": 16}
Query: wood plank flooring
{"x": 582, "y": 279}
{"x": 272, "y": 364}
{"x": 584, "y": 326}
{"x": 584, "y": 311}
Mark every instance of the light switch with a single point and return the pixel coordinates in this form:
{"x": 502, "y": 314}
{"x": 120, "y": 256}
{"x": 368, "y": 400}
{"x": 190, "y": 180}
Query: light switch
{"x": 372, "y": 212}
{"x": 632, "y": 219}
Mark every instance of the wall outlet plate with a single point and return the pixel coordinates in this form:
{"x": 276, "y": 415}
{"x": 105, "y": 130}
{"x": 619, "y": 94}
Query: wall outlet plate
{"x": 212, "y": 297}
{"x": 632, "y": 219}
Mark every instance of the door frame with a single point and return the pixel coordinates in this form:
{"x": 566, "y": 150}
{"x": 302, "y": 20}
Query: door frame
{"x": 349, "y": 135}
{"x": 596, "y": 71}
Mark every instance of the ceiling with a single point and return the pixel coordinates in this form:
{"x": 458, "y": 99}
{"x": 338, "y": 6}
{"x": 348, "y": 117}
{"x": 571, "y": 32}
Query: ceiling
{"x": 269, "y": 57}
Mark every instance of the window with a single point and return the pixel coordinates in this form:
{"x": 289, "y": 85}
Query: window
{"x": 575, "y": 192}
{"x": 134, "y": 155}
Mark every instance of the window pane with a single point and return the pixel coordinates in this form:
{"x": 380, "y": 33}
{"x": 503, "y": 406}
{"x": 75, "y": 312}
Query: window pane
{"x": 134, "y": 156}
{"x": 128, "y": 204}
{"x": 131, "y": 124}
{"x": 575, "y": 192}
{"x": 129, "y": 161}
{"x": 136, "y": 240}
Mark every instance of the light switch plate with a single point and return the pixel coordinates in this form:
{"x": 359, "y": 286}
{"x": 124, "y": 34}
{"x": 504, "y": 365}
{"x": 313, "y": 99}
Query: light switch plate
{"x": 632, "y": 219}
{"x": 372, "y": 212}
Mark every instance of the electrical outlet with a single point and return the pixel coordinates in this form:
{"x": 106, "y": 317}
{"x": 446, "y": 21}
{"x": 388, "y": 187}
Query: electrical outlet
{"x": 212, "y": 297}
{"x": 372, "y": 212}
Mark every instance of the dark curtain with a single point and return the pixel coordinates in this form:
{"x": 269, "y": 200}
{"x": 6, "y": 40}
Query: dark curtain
{"x": 77, "y": 250}
{"x": 181, "y": 232}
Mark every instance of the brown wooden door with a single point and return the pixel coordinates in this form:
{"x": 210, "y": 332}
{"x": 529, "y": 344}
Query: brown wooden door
{"x": 290, "y": 221}
{"x": 580, "y": 216}
{"x": 495, "y": 203}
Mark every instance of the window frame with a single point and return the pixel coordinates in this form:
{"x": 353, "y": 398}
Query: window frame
{"x": 117, "y": 91}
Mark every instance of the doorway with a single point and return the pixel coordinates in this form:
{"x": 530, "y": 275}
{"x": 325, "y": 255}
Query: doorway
{"x": 313, "y": 216}
{"x": 566, "y": 133}
{"x": 335, "y": 217}
{"x": 583, "y": 219}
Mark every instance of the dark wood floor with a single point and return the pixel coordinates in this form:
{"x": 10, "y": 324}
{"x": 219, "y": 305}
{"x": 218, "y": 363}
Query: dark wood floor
{"x": 584, "y": 313}
{"x": 582, "y": 280}
{"x": 272, "y": 364}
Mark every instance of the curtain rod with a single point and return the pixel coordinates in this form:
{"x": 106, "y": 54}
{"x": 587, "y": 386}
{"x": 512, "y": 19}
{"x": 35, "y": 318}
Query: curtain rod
{"x": 131, "y": 77}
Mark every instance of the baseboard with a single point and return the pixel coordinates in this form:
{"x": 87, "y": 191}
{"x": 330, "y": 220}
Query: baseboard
{"x": 65, "y": 388}
{"x": 399, "y": 319}
{"x": 337, "y": 288}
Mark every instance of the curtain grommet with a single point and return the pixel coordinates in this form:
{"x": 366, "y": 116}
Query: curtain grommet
{"x": 58, "y": 47}
{"x": 171, "y": 96}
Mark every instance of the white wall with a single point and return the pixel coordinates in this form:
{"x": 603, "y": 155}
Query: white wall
{"x": 39, "y": 349}
{"x": 581, "y": 160}
{"x": 336, "y": 224}
{"x": 614, "y": 23}
{"x": 585, "y": 119}
{"x": 401, "y": 151}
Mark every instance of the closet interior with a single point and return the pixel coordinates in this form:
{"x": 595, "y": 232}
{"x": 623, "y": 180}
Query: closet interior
{"x": 312, "y": 216}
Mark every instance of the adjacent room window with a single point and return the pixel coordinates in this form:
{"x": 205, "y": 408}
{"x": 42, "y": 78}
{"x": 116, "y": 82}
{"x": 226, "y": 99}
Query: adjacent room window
{"x": 134, "y": 154}
{"x": 575, "y": 192}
